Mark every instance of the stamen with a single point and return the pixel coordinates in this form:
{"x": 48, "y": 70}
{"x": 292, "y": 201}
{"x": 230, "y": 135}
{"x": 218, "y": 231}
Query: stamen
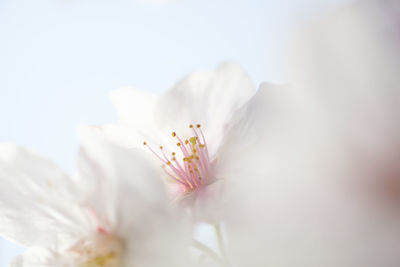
{"x": 183, "y": 148}
{"x": 144, "y": 143}
{"x": 194, "y": 165}
{"x": 203, "y": 142}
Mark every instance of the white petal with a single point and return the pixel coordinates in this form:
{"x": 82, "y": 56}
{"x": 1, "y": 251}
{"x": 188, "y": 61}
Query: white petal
{"x": 36, "y": 200}
{"x": 135, "y": 109}
{"x": 165, "y": 237}
{"x": 39, "y": 257}
{"x": 119, "y": 134}
{"x": 206, "y": 204}
{"x": 116, "y": 175}
{"x": 207, "y": 98}
{"x": 252, "y": 132}
{"x": 134, "y": 106}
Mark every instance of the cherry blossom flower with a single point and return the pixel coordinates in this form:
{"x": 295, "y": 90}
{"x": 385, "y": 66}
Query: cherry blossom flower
{"x": 111, "y": 214}
{"x": 186, "y": 130}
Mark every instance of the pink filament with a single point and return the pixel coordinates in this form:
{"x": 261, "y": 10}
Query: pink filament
{"x": 195, "y": 166}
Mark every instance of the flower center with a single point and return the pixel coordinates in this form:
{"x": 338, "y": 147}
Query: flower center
{"x": 104, "y": 250}
{"x": 193, "y": 168}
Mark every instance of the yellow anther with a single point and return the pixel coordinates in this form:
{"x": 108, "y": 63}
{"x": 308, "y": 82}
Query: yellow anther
{"x": 161, "y": 147}
{"x": 192, "y": 140}
{"x": 198, "y": 125}
{"x": 144, "y": 143}
{"x": 173, "y": 134}
{"x": 201, "y": 145}
{"x": 173, "y": 158}
{"x": 190, "y": 126}
{"x": 173, "y": 153}
{"x": 178, "y": 144}
{"x": 168, "y": 163}
{"x": 186, "y": 142}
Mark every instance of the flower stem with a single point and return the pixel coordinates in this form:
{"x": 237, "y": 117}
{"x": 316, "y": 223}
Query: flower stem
{"x": 221, "y": 243}
{"x": 209, "y": 252}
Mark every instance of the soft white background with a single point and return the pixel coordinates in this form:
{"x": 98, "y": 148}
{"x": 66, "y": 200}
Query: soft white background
{"x": 60, "y": 58}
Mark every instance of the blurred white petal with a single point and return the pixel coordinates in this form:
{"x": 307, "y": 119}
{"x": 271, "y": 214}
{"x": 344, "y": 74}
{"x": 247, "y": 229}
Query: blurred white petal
{"x": 335, "y": 200}
{"x": 37, "y": 200}
{"x": 38, "y": 257}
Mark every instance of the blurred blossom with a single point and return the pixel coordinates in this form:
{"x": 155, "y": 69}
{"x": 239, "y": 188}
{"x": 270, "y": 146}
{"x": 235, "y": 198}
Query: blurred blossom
{"x": 346, "y": 72}
{"x": 341, "y": 206}
{"x": 110, "y": 214}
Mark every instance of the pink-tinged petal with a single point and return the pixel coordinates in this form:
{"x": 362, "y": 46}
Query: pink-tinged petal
{"x": 37, "y": 200}
{"x": 129, "y": 200}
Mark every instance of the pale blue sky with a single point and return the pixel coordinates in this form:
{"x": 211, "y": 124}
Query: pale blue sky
{"x": 60, "y": 58}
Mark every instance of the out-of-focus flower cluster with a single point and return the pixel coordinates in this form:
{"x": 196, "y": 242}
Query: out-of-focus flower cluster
{"x": 305, "y": 174}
